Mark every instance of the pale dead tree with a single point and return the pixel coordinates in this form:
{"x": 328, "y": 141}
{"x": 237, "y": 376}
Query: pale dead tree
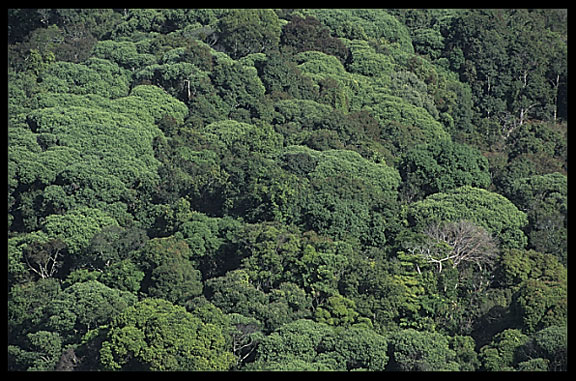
{"x": 44, "y": 258}
{"x": 457, "y": 243}
{"x": 433, "y": 252}
{"x": 245, "y": 339}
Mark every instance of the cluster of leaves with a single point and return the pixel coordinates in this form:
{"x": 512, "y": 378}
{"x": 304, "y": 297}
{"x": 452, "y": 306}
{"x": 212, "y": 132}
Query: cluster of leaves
{"x": 258, "y": 189}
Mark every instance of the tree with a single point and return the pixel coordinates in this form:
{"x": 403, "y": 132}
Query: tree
{"x": 502, "y": 353}
{"x": 41, "y": 352}
{"x": 337, "y": 311}
{"x": 86, "y": 305}
{"x": 245, "y": 337}
{"x": 533, "y": 91}
{"x": 363, "y": 59}
{"x": 239, "y": 87}
{"x": 77, "y": 227}
{"x": 381, "y": 291}
{"x": 543, "y": 197}
{"x": 412, "y": 350}
{"x": 253, "y": 186}
{"x": 440, "y": 166}
{"x": 405, "y": 124}
{"x": 307, "y": 345}
{"x": 320, "y": 268}
{"x": 298, "y": 340}
{"x": 245, "y": 31}
{"x": 124, "y": 53}
{"x": 551, "y": 344}
{"x": 280, "y": 75}
{"x": 366, "y": 24}
{"x": 359, "y": 194}
{"x": 354, "y": 349}
{"x": 124, "y": 275}
{"x": 457, "y": 243}
{"x": 542, "y": 143}
{"x": 182, "y": 80}
{"x": 21, "y": 22}
{"x": 94, "y": 76}
{"x": 487, "y": 209}
{"x": 408, "y": 86}
{"x": 28, "y": 304}
{"x": 305, "y": 34}
{"x": 170, "y": 273}
{"x": 540, "y": 193}
{"x": 557, "y": 75}
{"x": 466, "y": 355}
{"x": 112, "y": 245}
{"x": 154, "y": 334}
{"x": 540, "y": 304}
{"x": 92, "y": 152}
{"x": 517, "y": 266}
{"x": 162, "y": 21}
{"x": 213, "y": 242}
{"x": 233, "y": 293}
{"x": 43, "y": 258}
{"x": 517, "y": 88}
{"x": 176, "y": 280}
{"x": 269, "y": 253}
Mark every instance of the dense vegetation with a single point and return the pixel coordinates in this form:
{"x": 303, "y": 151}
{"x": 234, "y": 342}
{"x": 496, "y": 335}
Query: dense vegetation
{"x": 257, "y": 189}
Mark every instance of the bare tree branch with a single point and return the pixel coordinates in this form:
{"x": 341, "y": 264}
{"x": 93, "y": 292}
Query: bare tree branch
{"x": 43, "y": 258}
{"x": 456, "y": 243}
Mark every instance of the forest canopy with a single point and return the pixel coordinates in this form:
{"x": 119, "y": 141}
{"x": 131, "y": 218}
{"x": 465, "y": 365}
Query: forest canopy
{"x": 287, "y": 189}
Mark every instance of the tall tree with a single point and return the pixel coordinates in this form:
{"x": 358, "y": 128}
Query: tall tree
{"x": 154, "y": 334}
{"x": 440, "y": 166}
{"x": 303, "y": 34}
{"x": 457, "y": 243}
{"x": 245, "y": 31}
{"x": 411, "y": 350}
{"x": 487, "y": 209}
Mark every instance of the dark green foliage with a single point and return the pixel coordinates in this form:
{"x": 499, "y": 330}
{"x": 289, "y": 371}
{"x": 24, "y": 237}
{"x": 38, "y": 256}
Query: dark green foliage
{"x": 366, "y": 24}
{"x": 411, "y": 350}
{"x": 490, "y": 210}
{"x": 245, "y": 31}
{"x": 306, "y": 345}
{"x": 441, "y": 166}
{"x": 287, "y": 189}
{"x": 301, "y": 35}
{"x": 545, "y": 200}
{"x": 282, "y": 77}
{"x": 170, "y": 274}
{"x": 157, "y": 335}
{"x": 519, "y": 86}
